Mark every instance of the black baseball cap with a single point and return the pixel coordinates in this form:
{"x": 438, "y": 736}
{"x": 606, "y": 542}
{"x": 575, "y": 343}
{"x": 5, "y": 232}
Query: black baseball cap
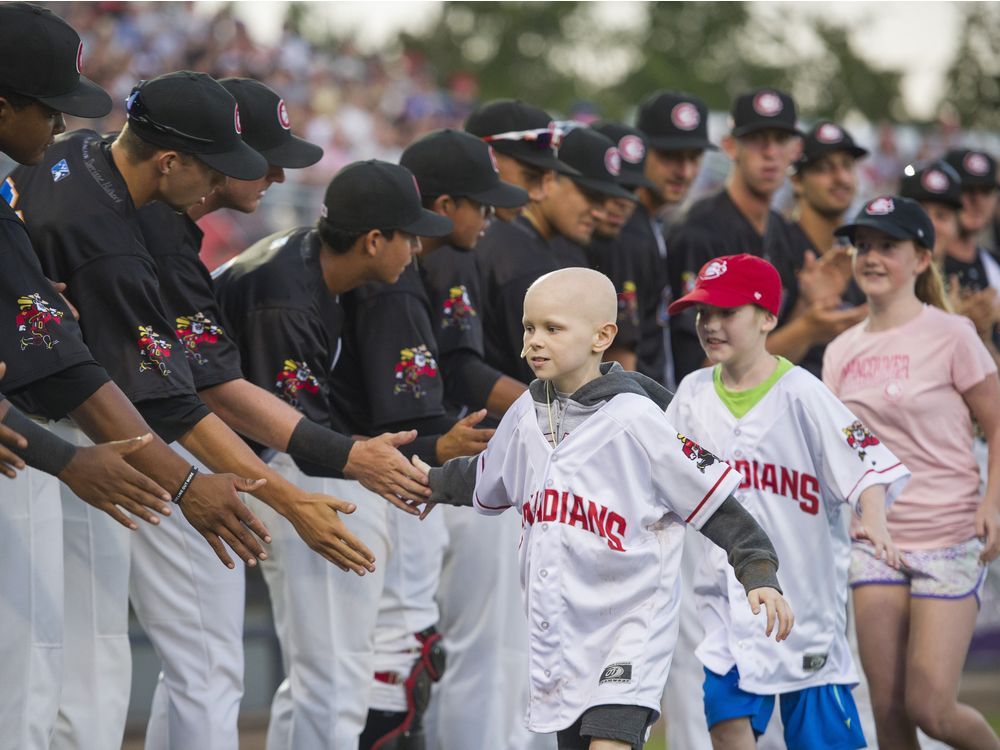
{"x": 191, "y": 112}
{"x": 41, "y": 57}
{"x": 597, "y": 161}
{"x": 375, "y": 194}
{"x": 451, "y": 162}
{"x": 266, "y": 126}
{"x": 632, "y": 147}
{"x": 975, "y": 168}
{"x": 520, "y": 131}
{"x": 763, "y": 109}
{"x": 826, "y": 138}
{"x": 899, "y": 217}
{"x": 674, "y": 120}
{"x": 935, "y": 182}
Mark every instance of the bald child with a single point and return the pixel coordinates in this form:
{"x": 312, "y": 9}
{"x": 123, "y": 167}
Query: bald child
{"x": 604, "y": 486}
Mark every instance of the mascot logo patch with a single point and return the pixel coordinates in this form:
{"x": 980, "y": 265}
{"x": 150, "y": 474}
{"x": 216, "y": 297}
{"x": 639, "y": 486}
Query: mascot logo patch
{"x": 628, "y": 303}
{"x": 295, "y": 377}
{"x": 154, "y": 351}
{"x": 457, "y": 311}
{"x": 414, "y": 365}
{"x": 859, "y": 438}
{"x": 695, "y": 452}
{"x": 34, "y": 316}
{"x": 194, "y": 330}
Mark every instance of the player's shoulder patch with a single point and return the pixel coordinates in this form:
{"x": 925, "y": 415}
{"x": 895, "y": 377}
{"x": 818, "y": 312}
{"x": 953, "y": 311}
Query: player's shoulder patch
{"x": 59, "y": 171}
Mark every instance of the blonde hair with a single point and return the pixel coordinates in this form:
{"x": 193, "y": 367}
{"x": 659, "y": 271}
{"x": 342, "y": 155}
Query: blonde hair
{"x": 929, "y": 286}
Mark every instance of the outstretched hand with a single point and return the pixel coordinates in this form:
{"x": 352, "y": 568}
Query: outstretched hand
{"x": 425, "y": 467}
{"x": 779, "y": 612}
{"x": 379, "y": 466}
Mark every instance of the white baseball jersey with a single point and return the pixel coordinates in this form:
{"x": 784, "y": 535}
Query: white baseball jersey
{"x": 802, "y": 455}
{"x": 602, "y": 520}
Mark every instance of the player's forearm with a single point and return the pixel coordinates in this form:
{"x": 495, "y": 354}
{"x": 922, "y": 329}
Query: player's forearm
{"x": 871, "y": 505}
{"x": 791, "y": 341}
{"x": 250, "y": 410}
{"x": 454, "y": 482}
{"x": 504, "y": 393}
{"x": 222, "y": 450}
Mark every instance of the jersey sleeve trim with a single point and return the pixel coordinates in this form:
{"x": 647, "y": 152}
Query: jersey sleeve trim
{"x": 712, "y": 492}
{"x": 480, "y": 505}
{"x": 896, "y": 473}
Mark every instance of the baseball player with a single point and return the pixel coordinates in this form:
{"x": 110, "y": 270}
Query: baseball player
{"x": 937, "y": 187}
{"x": 54, "y": 369}
{"x": 919, "y": 376}
{"x": 598, "y": 558}
{"x": 170, "y": 118}
{"x": 457, "y": 180}
{"x": 762, "y": 144}
{"x": 176, "y": 610}
{"x": 286, "y": 301}
{"x": 612, "y": 256}
{"x": 803, "y": 456}
{"x": 821, "y": 301}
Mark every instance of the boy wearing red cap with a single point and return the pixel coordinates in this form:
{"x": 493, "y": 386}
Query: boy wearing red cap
{"x": 803, "y": 456}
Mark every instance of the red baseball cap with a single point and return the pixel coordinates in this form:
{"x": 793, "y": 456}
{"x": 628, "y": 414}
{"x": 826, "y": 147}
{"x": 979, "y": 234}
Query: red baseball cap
{"x": 733, "y": 281}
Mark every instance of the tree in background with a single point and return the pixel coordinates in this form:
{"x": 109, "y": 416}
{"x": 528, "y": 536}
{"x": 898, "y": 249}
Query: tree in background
{"x": 974, "y": 77}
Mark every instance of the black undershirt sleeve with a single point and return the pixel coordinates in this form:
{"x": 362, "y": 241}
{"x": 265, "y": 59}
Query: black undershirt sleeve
{"x": 60, "y": 393}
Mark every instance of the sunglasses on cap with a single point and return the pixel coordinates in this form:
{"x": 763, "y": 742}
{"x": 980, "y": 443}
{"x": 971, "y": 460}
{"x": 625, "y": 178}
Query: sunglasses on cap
{"x": 543, "y": 138}
{"x": 136, "y": 110}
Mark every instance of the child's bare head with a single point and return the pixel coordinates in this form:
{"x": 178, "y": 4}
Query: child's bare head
{"x": 569, "y": 322}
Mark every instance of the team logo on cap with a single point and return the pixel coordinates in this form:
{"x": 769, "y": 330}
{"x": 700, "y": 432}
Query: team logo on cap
{"x": 195, "y": 330}
{"x": 236, "y": 120}
{"x": 934, "y": 181}
{"x": 283, "y": 119}
{"x": 613, "y": 161}
{"x": 694, "y": 452}
{"x": 976, "y": 163}
{"x": 457, "y": 311}
{"x": 493, "y": 158}
{"x": 632, "y": 149}
{"x": 713, "y": 270}
{"x": 829, "y": 133}
{"x": 880, "y": 207}
{"x": 859, "y": 437}
{"x": 154, "y": 350}
{"x": 767, "y": 104}
{"x": 415, "y": 364}
{"x": 685, "y": 116}
{"x": 294, "y": 378}
{"x": 79, "y": 58}
{"x": 34, "y": 316}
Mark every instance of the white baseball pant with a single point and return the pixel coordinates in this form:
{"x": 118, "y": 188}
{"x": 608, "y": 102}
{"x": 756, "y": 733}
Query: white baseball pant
{"x": 97, "y": 664}
{"x": 482, "y": 699}
{"x": 191, "y": 607}
{"x": 31, "y": 608}
{"x": 325, "y": 620}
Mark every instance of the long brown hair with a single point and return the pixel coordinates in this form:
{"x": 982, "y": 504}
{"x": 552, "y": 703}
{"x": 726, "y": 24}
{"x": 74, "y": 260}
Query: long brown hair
{"x": 929, "y": 286}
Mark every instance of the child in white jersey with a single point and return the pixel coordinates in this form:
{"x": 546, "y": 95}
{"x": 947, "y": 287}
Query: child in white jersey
{"x": 604, "y": 486}
{"x": 803, "y": 455}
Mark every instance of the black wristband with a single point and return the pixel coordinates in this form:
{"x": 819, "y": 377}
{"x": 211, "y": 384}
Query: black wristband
{"x": 185, "y": 485}
{"x": 46, "y": 451}
{"x": 320, "y": 445}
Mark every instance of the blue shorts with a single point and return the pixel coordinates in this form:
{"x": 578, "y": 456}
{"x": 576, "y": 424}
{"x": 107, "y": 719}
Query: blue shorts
{"x": 822, "y": 716}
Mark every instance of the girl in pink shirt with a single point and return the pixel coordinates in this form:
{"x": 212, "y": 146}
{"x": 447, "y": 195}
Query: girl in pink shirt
{"x": 919, "y": 376}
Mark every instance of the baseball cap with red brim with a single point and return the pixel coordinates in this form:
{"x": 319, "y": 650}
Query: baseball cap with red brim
{"x": 734, "y": 281}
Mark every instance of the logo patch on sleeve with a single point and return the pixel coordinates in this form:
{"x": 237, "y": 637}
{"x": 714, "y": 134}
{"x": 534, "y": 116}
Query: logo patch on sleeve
{"x": 154, "y": 351}
{"x": 415, "y": 364}
{"x": 60, "y": 170}
{"x": 294, "y": 377}
{"x": 34, "y": 318}
{"x": 457, "y": 310}
{"x": 859, "y": 437}
{"x": 695, "y": 452}
{"x": 620, "y": 672}
{"x": 194, "y": 330}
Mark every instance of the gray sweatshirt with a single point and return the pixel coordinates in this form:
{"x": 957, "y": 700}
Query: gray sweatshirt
{"x": 731, "y": 527}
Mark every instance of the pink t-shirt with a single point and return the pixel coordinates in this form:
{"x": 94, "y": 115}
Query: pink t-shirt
{"x": 906, "y": 385}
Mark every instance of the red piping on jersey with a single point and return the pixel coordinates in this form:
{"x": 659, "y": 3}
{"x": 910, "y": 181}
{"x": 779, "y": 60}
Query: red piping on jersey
{"x": 482, "y": 466}
{"x": 876, "y": 471}
{"x": 710, "y": 493}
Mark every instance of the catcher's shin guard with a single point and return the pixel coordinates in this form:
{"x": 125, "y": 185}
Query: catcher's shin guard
{"x": 408, "y": 734}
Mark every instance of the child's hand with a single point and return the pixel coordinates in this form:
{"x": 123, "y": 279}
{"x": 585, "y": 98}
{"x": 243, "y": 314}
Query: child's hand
{"x": 424, "y": 467}
{"x": 778, "y": 611}
{"x": 877, "y": 533}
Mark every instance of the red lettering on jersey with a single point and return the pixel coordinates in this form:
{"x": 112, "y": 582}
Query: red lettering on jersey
{"x": 789, "y": 483}
{"x": 563, "y": 502}
{"x": 550, "y": 505}
{"x": 595, "y": 519}
{"x": 769, "y": 478}
{"x": 756, "y": 477}
{"x": 810, "y": 494}
{"x": 577, "y": 516}
{"x": 529, "y": 516}
{"x": 615, "y": 522}
{"x": 743, "y": 468}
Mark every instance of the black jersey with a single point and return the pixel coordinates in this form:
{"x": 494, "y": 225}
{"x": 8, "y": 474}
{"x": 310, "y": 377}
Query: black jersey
{"x": 451, "y": 282}
{"x": 174, "y": 242}
{"x": 615, "y": 258}
{"x": 712, "y": 227}
{"x": 284, "y": 321}
{"x": 40, "y": 335}
{"x": 388, "y": 376}
{"x": 83, "y": 226}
